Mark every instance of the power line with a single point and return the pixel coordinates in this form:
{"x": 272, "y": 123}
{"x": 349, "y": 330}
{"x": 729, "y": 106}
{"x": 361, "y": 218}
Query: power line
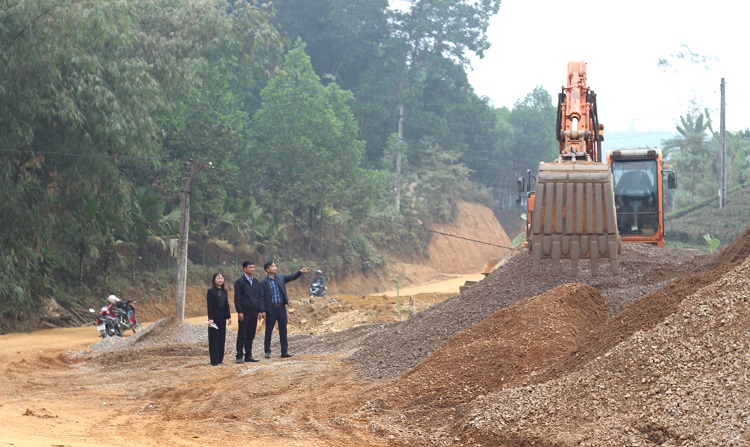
{"x": 417, "y": 227}
{"x": 368, "y": 216}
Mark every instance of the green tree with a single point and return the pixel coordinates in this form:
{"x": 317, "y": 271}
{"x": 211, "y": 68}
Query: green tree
{"x": 306, "y": 150}
{"x": 74, "y": 104}
{"x": 533, "y": 120}
{"x": 91, "y": 95}
{"x": 341, "y": 36}
{"x": 693, "y": 157}
{"x": 449, "y": 28}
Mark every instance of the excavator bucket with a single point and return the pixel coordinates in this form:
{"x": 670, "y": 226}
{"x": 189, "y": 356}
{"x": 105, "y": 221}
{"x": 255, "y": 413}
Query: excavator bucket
{"x": 574, "y": 216}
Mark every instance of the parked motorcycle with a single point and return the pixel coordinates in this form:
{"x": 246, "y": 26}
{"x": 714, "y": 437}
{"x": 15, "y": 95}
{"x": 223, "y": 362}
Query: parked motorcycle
{"x": 106, "y": 322}
{"x": 125, "y": 312}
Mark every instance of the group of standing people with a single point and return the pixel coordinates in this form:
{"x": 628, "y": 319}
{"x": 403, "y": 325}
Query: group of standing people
{"x": 254, "y": 300}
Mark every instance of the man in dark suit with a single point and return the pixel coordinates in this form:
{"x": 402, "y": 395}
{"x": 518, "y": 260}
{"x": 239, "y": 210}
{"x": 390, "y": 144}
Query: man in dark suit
{"x": 275, "y": 301}
{"x": 250, "y": 308}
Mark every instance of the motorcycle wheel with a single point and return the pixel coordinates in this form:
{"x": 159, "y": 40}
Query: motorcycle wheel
{"x": 137, "y": 325}
{"x": 103, "y": 334}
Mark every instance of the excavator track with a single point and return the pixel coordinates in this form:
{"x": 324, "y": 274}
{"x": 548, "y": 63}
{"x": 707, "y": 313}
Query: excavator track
{"x": 574, "y": 216}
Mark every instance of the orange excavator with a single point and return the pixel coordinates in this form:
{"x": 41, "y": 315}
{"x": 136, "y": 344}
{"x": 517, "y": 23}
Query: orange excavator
{"x": 579, "y": 209}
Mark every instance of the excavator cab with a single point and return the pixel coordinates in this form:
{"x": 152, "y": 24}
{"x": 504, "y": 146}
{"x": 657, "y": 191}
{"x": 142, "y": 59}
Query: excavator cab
{"x": 638, "y": 176}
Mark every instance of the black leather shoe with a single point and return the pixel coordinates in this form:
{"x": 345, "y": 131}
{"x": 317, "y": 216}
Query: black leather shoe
{"x": 268, "y": 355}
{"x": 286, "y": 355}
{"x": 239, "y": 359}
{"x": 251, "y": 359}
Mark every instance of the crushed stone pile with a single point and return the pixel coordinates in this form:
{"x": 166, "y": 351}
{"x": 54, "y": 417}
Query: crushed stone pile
{"x": 504, "y": 349}
{"x": 684, "y": 382}
{"x": 389, "y": 351}
{"x": 427, "y": 403}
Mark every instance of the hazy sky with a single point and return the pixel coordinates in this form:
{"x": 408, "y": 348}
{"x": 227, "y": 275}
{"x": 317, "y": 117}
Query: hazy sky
{"x": 533, "y": 40}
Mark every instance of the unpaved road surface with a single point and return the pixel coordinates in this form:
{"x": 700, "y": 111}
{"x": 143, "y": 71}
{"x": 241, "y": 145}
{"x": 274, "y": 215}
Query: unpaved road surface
{"x": 655, "y": 356}
{"x": 67, "y": 387}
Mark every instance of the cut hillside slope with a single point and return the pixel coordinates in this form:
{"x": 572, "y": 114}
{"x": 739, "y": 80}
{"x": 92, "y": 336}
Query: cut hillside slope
{"x": 454, "y": 255}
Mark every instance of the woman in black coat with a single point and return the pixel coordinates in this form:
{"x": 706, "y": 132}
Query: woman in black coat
{"x": 217, "y": 300}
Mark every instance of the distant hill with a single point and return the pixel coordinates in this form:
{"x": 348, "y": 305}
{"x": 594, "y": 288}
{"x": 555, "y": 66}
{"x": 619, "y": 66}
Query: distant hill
{"x": 723, "y": 224}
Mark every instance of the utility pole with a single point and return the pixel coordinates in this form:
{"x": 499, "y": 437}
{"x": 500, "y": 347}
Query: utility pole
{"x": 398, "y": 157}
{"x": 185, "y": 187}
{"x": 722, "y": 150}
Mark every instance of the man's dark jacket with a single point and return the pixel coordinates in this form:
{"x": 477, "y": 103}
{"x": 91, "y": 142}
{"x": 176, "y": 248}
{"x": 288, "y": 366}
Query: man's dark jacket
{"x": 248, "y": 298}
{"x": 281, "y": 280}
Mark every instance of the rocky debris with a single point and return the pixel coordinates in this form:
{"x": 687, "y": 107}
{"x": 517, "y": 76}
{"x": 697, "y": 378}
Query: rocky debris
{"x": 643, "y": 377}
{"x": 684, "y": 382}
{"x": 53, "y": 315}
{"x": 644, "y": 270}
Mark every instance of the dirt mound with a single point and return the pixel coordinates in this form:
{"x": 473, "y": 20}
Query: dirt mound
{"x": 663, "y": 277}
{"x": 615, "y": 397}
{"x": 654, "y": 308}
{"x": 641, "y": 316}
{"x": 475, "y": 222}
{"x": 503, "y": 350}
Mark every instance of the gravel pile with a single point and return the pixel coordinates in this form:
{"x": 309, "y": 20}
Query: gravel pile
{"x": 389, "y": 351}
{"x": 684, "y": 382}
{"x": 166, "y": 331}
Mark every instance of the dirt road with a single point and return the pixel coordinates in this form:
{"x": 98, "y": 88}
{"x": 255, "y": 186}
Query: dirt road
{"x": 449, "y": 285}
{"x": 68, "y": 387}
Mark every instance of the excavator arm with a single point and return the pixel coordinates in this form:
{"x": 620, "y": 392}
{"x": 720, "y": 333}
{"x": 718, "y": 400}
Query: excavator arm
{"x": 572, "y": 215}
{"x": 578, "y": 129}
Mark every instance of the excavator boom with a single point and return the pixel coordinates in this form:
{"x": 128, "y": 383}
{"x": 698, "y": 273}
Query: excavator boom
{"x": 573, "y": 212}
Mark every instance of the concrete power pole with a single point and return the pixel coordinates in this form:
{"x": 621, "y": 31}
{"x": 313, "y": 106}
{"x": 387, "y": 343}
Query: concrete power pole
{"x": 398, "y": 157}
{"x": 185, "y": 187}
{"x": 722, "y": 150}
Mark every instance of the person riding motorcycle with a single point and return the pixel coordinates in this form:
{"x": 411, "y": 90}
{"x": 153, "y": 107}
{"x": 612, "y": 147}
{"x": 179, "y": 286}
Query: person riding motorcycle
{"x": 125, "y": 313}
{"x": 318, "y": 285}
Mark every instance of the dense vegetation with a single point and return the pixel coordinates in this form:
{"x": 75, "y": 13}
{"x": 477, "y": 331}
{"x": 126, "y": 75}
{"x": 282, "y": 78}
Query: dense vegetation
{"x": 335, "y": 129}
